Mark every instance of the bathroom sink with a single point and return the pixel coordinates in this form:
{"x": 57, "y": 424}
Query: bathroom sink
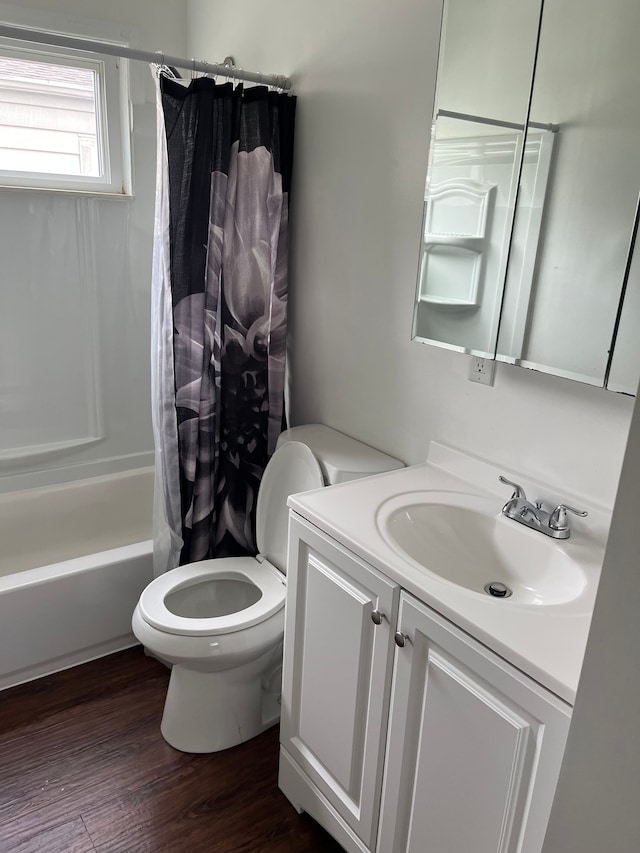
{"x": 465, "y": 540}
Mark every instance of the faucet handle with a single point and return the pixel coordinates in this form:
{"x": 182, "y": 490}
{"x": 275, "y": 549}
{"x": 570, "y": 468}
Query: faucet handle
{"x": 558, "y": 518}
{"x": 518, "y": 491}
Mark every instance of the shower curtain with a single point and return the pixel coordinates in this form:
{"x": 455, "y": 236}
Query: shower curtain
{"x": 219, "y": 310}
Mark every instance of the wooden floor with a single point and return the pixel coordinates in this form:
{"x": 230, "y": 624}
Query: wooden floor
{"x": 84, "y": 769}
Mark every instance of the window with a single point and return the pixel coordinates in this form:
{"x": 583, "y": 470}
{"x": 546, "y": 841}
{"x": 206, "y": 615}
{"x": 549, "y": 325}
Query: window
{"x": 64, "y": 121}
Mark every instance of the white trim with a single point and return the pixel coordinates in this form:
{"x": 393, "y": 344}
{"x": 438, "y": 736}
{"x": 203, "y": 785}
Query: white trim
{"x": 59, "y": 664}
{"x": 69, "y": 473}
{"x": 15, "y": 456}
{"x": 112, "y": 120}
{"x": 538, "y": 151}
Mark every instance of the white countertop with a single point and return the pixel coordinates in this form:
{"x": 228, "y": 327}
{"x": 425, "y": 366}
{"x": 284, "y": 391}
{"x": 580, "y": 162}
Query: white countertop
{"x": 547, "y": 642}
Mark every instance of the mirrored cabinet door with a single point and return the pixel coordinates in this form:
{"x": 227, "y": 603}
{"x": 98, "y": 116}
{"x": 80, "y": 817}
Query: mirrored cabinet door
{"x": 586, "y": 85}
{"x": 487, "y": 54}
{"x": 526, "y": 237}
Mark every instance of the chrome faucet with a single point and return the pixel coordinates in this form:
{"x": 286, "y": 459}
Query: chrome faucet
{"x": 552, "y": 523}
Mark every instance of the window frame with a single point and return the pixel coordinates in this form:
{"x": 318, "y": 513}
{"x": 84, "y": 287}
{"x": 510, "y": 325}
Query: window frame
{"x": 113, "y": 119}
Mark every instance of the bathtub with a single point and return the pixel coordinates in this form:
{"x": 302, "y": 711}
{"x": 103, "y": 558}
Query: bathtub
{"x": 74, "y": 559}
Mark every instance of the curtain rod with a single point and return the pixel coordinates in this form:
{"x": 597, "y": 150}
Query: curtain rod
{"x": 159, "y": 58}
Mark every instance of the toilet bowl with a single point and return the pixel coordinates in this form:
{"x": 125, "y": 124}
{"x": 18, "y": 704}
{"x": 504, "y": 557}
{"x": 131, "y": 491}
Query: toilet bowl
{"x": 220, "y": 623}
{"x": 216, "y": 696}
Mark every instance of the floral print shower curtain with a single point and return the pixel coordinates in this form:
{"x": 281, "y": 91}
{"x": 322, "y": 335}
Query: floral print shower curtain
{"x": 219, "y": 309}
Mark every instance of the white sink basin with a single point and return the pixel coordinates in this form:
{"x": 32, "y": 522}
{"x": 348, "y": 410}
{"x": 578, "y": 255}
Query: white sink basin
{"x": 465, "y": 540}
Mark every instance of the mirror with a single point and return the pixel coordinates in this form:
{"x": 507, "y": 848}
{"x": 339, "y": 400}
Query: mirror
{"x": 585, "y": 82}
{"x": 485, "y": 69}
{"x": 526, "y": 240}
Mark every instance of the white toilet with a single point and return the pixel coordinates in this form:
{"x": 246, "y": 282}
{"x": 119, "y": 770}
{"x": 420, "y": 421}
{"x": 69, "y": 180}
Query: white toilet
{"x": 220, "y": 623}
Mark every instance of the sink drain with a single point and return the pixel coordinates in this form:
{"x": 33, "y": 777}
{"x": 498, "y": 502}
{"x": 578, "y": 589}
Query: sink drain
{"x": 497, "y": 589}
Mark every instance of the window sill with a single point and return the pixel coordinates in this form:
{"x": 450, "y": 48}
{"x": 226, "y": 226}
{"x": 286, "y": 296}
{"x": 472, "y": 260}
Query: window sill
{"x": 66, "y": 191}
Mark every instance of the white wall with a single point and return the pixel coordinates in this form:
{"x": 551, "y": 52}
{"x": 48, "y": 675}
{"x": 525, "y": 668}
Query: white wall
{"x": 101, "y": 257}
{"x": 364, "y": 72}
{"x": 596, "y": 805}
{"x": 146, "y": 24}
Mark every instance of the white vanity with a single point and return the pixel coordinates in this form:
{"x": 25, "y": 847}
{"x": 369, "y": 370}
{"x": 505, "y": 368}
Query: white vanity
{"x": 418, "y": 711}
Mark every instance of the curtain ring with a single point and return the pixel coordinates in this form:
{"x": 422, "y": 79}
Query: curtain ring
{"x": 228, "y": 63}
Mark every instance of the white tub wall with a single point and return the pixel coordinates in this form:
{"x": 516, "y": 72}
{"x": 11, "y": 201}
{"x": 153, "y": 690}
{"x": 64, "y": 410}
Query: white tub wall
{"x": 74, "y": 560}
{"x": 69, "y": 613}
{"x": 365, "y": 73}
{"x": 122, "y": 278}
{"x": 56, "y": 523}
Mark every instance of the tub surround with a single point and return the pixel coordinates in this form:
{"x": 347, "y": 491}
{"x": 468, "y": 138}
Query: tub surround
{"x": 51, "y": 524}
{"x": 545, "y": 642}
{"x": 74, "y": 561}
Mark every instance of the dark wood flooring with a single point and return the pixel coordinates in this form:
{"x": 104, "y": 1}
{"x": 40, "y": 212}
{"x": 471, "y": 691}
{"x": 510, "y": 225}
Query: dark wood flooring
{"x": 84, "y": 769}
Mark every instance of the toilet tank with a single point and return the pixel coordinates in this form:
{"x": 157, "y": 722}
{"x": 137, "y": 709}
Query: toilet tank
{"x": 340, "y": 457}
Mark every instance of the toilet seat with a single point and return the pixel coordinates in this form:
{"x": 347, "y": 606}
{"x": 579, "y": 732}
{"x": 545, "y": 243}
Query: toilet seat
{"x": 293, "y": 468}
{"x": 261, "y": 574}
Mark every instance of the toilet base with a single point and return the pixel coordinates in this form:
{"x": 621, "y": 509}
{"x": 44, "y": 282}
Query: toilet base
{"x": 211, "y": 711}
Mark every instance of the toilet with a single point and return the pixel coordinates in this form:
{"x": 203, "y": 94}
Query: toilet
{"x": 220, "y": 623}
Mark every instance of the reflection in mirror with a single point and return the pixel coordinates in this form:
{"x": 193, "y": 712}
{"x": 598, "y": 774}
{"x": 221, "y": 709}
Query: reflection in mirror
{"x": 468, "y": 215}
{"x": 525, "y": 236}
{"x": 487, "y": 53}
{"x": 469, "y": 205}
{"x": 586, "y": 83}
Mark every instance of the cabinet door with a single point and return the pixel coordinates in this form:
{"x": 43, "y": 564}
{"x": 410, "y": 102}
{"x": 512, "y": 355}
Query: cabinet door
{"x": 474, "y": 747}
{"x": 337, "y": 673}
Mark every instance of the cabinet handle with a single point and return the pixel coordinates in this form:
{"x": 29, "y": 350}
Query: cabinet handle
{"x": 377, "y": 616}
{"x": 401, "y": 639}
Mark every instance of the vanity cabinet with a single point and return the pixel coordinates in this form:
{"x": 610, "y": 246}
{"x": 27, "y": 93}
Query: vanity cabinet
{"x": 337, "y": 677}
{"x": 399, "y": 731}
{"x": 474, "y": 746}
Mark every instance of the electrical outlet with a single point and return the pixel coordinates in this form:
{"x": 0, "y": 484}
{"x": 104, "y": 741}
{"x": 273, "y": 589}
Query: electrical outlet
{"x": 482, "y": 370}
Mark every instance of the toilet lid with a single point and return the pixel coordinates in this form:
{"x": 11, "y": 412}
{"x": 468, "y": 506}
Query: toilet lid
{"x": 293, "y": 468}
{"x": 155, "y": 602}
